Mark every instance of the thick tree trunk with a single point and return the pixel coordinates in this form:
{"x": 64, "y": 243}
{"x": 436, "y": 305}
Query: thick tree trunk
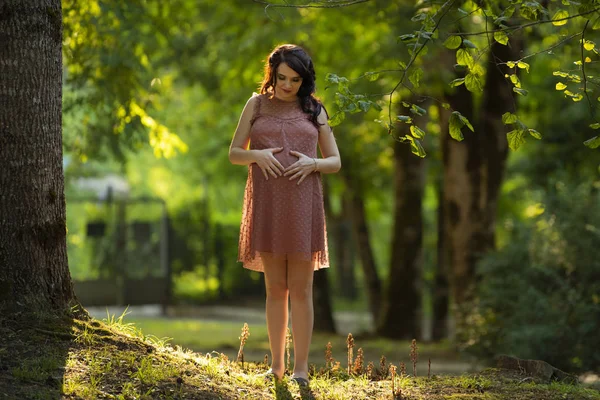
{"x": 34, "y": 272}
{"x": 402, "y": 303}
{"x": 473, "y": 174}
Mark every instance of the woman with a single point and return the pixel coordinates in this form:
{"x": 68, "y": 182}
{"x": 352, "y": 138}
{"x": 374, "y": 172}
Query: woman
{"x": 283, "y": 230}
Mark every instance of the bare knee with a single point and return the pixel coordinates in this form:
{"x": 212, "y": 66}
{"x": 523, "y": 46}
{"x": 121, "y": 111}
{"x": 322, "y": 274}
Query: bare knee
{"x": 301, "y": 293}
{"x": 277, "y": 290}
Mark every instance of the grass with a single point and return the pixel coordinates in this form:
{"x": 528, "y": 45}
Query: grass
{"x": 223, "y": 336}
{"x": 71, "y": 358}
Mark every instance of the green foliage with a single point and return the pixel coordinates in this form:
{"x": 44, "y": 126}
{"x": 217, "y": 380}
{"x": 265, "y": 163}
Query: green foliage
{"x": 457, "y": 122}
{"x": 539, "y": 295}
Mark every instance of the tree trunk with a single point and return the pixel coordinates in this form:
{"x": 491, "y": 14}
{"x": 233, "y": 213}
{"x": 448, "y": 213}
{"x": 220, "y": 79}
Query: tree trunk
{"x": 322, "y": 303}
{"x": 400, "y": 316}
{"x": 34, "y": 273}
{"x": 439, "y": 328}
{"x": 365, "y": 251}
{"x": 340, "y": 231}
{"x": 360, "y": 226}
{"x": 473, "y": 174}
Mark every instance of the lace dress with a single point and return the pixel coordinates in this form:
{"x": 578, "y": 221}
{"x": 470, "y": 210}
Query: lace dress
{"x": 280, "y": 217}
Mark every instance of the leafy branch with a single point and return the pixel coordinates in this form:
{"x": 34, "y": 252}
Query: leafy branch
{"x": 312, "y": 4}
{"x": 523, "y": 26}
{"x": 415, "y": 55}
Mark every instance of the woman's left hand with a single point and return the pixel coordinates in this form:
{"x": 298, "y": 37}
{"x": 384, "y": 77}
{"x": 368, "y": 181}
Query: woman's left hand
{"x": 301, "y": 168}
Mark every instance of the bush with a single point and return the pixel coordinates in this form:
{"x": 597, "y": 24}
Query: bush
{"x": 539, "y": 296}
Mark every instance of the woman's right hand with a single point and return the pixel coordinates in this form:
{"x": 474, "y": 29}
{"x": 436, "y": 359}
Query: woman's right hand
{"x": 267, "y": 162}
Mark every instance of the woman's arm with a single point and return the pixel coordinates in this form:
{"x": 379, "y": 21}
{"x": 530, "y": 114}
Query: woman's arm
{"x": 331, "y": 162}
{"x": 238, "y": 150}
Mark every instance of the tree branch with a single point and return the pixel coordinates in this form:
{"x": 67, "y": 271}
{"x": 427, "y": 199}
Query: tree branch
{"x": 587, "y": 96}
{"x": 414, "y": 57}
{"x": 517, "y": 27}
{"x": 313, "y": 4}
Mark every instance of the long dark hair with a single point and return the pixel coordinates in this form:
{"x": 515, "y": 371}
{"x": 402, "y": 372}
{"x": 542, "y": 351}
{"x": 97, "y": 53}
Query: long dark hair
{"x": 298, "y": 60}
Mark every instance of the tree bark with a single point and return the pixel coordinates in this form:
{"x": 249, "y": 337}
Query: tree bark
{"x": 324, "y": 321}
{"x": 34, "y": 273}
{"x": 402, "y": 303}
{"x": 473, "y": 175}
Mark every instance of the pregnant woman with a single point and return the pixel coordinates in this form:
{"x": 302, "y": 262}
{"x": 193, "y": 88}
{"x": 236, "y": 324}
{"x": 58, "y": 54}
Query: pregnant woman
{"x": 283, "y": 231}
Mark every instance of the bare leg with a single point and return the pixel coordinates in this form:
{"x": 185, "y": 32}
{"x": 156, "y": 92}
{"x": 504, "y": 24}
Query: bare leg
{"x": 277, "y": 309}
{"x": 300, "y": 284}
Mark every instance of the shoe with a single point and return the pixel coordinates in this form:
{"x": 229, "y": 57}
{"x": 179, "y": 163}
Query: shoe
{"x": 303, "y": 383}
{"x": 270, "y": 376}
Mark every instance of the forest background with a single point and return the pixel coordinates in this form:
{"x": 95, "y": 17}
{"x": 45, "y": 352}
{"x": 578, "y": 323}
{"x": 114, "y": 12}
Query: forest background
{"x": 488, "y": 240}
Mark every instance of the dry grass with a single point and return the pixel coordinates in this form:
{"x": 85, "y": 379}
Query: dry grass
{"x": 67, "y": 358}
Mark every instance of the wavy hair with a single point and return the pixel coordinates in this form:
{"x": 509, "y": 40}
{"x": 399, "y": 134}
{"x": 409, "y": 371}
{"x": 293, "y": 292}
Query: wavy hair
{"x": 298, "y": 60}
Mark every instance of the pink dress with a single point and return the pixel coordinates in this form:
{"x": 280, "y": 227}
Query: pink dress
{"x": 280, "y": 217}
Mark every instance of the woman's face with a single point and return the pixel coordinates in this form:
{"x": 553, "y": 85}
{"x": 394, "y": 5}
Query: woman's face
{"x": 287, "y": 83}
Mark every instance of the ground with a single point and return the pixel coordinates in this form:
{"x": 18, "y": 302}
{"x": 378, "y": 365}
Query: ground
{"x": 50, "y": 357}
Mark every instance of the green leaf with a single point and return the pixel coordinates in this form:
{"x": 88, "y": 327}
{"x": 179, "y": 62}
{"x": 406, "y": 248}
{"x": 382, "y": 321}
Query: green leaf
{"x": 560, "y": 15}
{"x": 515, "y": 139}
{"x": 523, "y": 65}
{"x": 332, "y": 78}
{"x": 535, "y": 134}
{"x": 596, "y": 25}
{"x": 417, "y": 132}
{"x": 520, "y": 91}
{"x": 455, "y": 126}
{"x": 589, "y": 45}
{"x": 351, "y": 108}
{"x": 415, "y": 77}
{"x": 417, "y": 148}
{"x": 415, "y": 109}
{"x": 446, "y": 106}
{"x": 509, "y": 118}
{"x": 466, "y": 121}
{"x": 372, "y": 76}
{"x": 595, "y": 126}
{"x": 457, "y": 82}
{"x": 337, "y": 118}
{"x": 364, "y": 105}
{"x": 453, "y": 42}
{"x": 501, "y": 37}
{"x": 560, "y": 86}
{"x": 404, "y": 118}
{"x": 515, "y": 80}
{"x": 341, "y": 100}
{"x": 473, "y": 83}
{"x": 419, "y": 17}
{"x": 463, "y": 57}
{"x": 593, "y": 143}
{"x": 407, "y": 38}
{"x": 467, "y": 43}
